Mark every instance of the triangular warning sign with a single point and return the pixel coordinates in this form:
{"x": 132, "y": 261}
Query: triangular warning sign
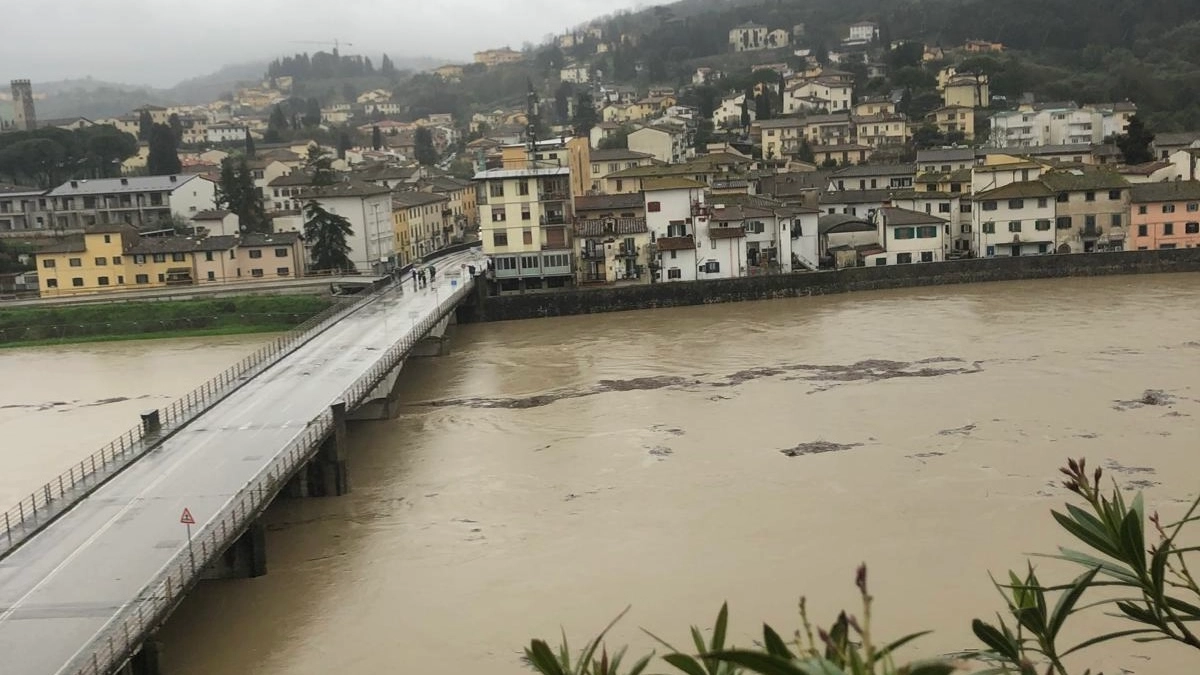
{"x": 187, "y": 518}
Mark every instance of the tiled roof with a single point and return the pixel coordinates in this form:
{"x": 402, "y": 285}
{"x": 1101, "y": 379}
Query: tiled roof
{"x": 652, "y": 184}
{"x": 876, "y": 170}
{"x": 726, "y": 232}
{"x": 71, "y": 244}
{"x": 1020, "y": 190}
{"x": 349, "y": 188}
{"x": 946, "y": 155}
{"x": 408, "y": 200}
{"x": 269, "y": 239}
{"x": 631, "y": 200}
{"x": 842, "y": 222}
{"x": 1071, "y": 180}
{"x": 676, "y": 243}
{"x": 211, "y": 214}
{"x": 616, "y": 154}
{"x": 895, "y": 217}
{"x": 6, "y": 190}
{"x": 956, "y": 176}
{"x": 104, "y": 186}
{"x": 152, "y": 245}
{"x": 599, "y": 227}
{"x": 1167, "y": 191}
{"x": 856, "y": 196}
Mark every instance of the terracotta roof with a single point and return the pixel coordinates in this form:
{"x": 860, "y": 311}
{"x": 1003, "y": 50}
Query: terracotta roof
{"x": 71, "y": 244}
{"x": 152, "y": 245}
{"x": 1170, "y": 191}
{"x": 616, "y": 154}
{"x": 896, "y": 217}
{"x": 1074, "y": 180}
{"x": 876, "y": 170}
{"x": 1032, "y": 188}
{"x": 676, "y": 243}
{"x": 726, "y": 232}
{"x": 631, "y": 200}
{"x": 652, "y": 184}
{"x": 408, "y": 200}
{"x": 211, "y": 214}
{"x": 855, "y": 196}
{"x": 599, "y": 227}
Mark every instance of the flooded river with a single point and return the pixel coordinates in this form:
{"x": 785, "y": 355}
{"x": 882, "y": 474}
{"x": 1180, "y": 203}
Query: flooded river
{"x": 549, "y": 473}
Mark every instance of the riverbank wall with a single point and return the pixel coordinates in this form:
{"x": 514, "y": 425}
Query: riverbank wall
{"x": 653, "y": 296}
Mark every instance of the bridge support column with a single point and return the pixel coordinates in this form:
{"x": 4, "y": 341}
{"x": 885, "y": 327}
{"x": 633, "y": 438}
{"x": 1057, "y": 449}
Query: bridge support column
{"x": 330, "y": 462}
{"x": 436, "y": 343}
{"x": 245, "y": 559}
{"x": 146, "y": 660}
{"x": 383, "y": 403}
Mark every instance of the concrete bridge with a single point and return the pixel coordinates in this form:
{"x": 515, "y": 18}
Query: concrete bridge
{"x": 96, "y": 560}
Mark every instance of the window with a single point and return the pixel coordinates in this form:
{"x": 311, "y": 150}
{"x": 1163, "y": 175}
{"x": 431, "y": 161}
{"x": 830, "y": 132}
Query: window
{"x": 529, "y": 262}
{"x": 281, "y": 253}
{"x": 1063, "y": 223}
{"x": 964, "y": 208}
{"x": 1090, "y": 196}
{"x": 944, "y": 207}
{"x": 257, "y": 273}
{"x": 653, "y": 207}
{"x": 255, "y": 253}
{"x": 926, "y": 256}
{"x": 496, "y": 188}
{"x": 1168, "y": 229}
{"x": 1014, "y": 226}
{"x": 903, "y": 258}
{"x": 525, "y": 214}
{"x": 1143, "y": 231}
{"x": 103, "y": 281}
{"x": 163, "y": 277}
{"x": 620, "y": 185}
{"x": 500, "y": 238}
{"x": 506, "y": 263}
{"x": 674, "y": 272}
{"x": 927, "y": 232}
{"x": 1141, "y": 210}
{"x": 1114, "y": 194}
{"x": 1168, "y": 208}
{"x": 116, "y": 260}
{"x": 180, "y": 257}
{"x": 1089, "y": 221}
{"x": 1041, "y": 225}
{"x": 108, "y": 239}
{"x": 499, "y": 215}
{"x": 1167, "y": 246}
{"x": 904, "y": 233}
{"x": 712, "y": 267}
{"x": 880, "y": 262}
{"x": 1062, "y": 198}
{"x": 75, "y": 262}
{"x": 1016, "y": 204}
{"x": 77, "y": 282}
{"x": 1042, "y": 202}
{"x": 523, "y": 188}
{"x": 989, "y": 228}
{"x": 52, "y": 283}
{"x": 1043, "y": 248}
{"x": 1193, "y": 207}
{"x": 966, "y": 228}
{"x": 160, "y": 257}
{"x": 674, "y": 255}
{"x": 595, "y": 168}
{"x": 1116, "y": 220}
{"x": 1191, "y": 228}
{"x": 212, "y": 276}
{"x": 100, "y": 262}
{"x": 208, "y": 256}
{"x": 527, "y": 237}
{"x": 989, "y": 206}
{"x": 48, "y": 264}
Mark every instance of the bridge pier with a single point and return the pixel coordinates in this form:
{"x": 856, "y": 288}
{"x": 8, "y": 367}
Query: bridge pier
{"x": 245, "y": 559}
{"x": 383, "y": 402}
{"x": 436, "y": 343}
{"x": 145, "y": 661}
{"x": 330, "y": 462}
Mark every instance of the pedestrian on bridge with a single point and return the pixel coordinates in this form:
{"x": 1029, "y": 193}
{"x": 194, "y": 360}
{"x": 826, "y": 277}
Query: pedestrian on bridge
{"x": 432, "y": 272}
{"x": 414, "y": 279}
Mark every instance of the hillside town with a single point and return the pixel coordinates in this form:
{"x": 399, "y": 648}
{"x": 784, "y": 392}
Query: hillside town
{"x": 794, "y": 173}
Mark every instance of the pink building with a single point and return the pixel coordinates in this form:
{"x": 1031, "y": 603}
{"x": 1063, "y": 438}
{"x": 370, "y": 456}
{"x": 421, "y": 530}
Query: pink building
{"x": 1164, "y": 215}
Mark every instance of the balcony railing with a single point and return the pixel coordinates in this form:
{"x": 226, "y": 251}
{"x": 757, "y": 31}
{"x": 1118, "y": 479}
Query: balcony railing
{"x": 629, "y": 251}
{"x": 554, "y": 219}
{"x": 593, "y": 253}
{"x": 1091, "y": 231}
{"x": 554, "y": 195}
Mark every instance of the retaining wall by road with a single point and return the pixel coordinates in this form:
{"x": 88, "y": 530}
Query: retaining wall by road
{"x": 623, "y": 298}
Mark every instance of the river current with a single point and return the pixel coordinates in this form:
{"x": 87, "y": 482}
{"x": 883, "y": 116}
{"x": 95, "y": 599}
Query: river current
{"x": 550, "y": 473}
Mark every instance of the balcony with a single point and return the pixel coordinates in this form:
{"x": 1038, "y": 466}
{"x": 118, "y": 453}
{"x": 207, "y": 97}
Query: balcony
{"x": 553, "y": 219}
{"x": 1091, "y": 231}
{"x": 628, "y": 251}
{"x": 592, "y": 253}
{"x": 554, "y": 195}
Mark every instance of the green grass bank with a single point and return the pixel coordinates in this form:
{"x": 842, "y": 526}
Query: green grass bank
{"x": 29, "y": 326}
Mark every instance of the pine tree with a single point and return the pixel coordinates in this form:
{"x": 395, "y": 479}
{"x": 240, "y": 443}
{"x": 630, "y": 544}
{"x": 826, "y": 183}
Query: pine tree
{"x": 745, "y": 111}
{"x": 312, "y": 112}
{"x": 320, "y": 166}
{"x": 326, "y": 234}
{"x": 249, "y": 144}
{"x": 164, "y": 158}
{"x": 1135, "y": 142}
{"x": 276, "y": 125}
{"x": 376, "y": 138}
{"x": 386, "y": 66}
{"x": 145, "y": 125}
{"x": 585, "y": 114}
{"x": 426, "y": 154}
{"x": 236, "y": 193}
{"x": 805, "y": 153}
{"x": 343, "y": 144}
{"x": 176, "y": 128}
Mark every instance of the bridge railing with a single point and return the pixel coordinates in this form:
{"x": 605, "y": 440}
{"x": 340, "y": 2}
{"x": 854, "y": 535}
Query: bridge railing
{"x": 49, "y": 501}
{"x": 117, "y": 641}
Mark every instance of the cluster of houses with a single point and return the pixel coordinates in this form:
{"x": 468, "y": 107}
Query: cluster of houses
{"x": 561, "y": 212}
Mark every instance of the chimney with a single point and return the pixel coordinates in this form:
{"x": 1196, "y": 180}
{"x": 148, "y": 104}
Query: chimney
{"x": 124, "y": 181}
{"x": 74, "y": 183}
{"x": 174, "y": 178}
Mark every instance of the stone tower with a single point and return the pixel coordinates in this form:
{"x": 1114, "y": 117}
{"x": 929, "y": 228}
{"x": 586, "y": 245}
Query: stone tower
{"x": 24, "y": 118}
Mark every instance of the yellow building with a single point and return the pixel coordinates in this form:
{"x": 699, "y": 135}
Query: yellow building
{"x": 494, "y": 57}
{"x": 421, "y": 223}
{"x": 954, "y": 119}
{"x": 525, "y": 224}
{"x": 968, "y": 91}
{"x": 115, "y": 258}
{"x": 572, "y": 153}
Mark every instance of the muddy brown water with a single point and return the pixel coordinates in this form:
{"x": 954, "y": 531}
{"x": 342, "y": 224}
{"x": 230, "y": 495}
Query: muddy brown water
{"x": 549, "y": 473}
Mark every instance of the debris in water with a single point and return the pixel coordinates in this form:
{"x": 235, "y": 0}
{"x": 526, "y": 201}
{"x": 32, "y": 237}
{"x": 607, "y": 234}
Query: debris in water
{"x": 662, "y": 428}
{"x": 661, "y": 451}
{"x": 927, "y": 455}
{"x": 1114, "y": 465}
{"x": 818, "y": 448}
{"x": 1149, "y": 397}
{"x": 960, "y": 431}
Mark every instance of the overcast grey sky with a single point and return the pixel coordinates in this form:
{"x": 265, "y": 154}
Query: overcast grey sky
{"x": 160, "y": 43}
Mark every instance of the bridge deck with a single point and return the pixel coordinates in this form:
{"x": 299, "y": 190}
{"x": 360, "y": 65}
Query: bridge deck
{"x": 69, "y": 582}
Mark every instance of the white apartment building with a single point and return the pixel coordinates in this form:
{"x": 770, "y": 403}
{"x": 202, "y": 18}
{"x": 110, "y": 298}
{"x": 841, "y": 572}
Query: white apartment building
{"x": 675, "y": 210}
{"x": 908, "y": 237}
{"x": 728, "y": 113}
{"x": 1059, "y": 124}
{"x": 1014, "y": 220}
{"x": 822, "y": 93}
{"x": 369, "y": 209}
{"x": 578, "y": 74}
{"x": 665, "y": 143}
{"x": 141, "y": 201}
{"x": 748, "y": 37}
{"x": 226, "y": 133}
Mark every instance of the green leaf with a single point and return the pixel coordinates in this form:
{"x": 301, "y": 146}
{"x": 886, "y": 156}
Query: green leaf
{"x": 775, "y": 644}
{"x": 1133, "y": 542}
{"x": 685, "y": 663}
{"x": 1182, "y": 606}
{"x": 758, "y": 662}
{"x": 590, "y": 649}
{"x": 1109, "y": 568}
{"x": 718, "y": 637}
{"x": 659, "y": 640}
{"x": 698, "y": 640}
{"x": 542, "y": 658}
{"x": 995, "y": 640}
{"x": 641, "y": 665}
{"x": 1106, "y": 637}
{"x": 930, "y": 668}
{"x": 900, "y": 643}
{"x": 1085, "y": 533}
{"x": 1138, "y": 613}
{"x": 1158, "y": 568}
{"x": 1066, "y": 601}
